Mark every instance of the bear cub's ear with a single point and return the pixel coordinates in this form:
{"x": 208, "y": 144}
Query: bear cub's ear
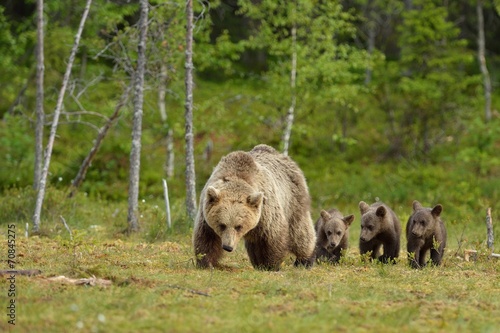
{"x": 381, "y": 211}
{"x": 363, "y": 207}
{"x": 325, "y": 216}
{"x": 255, "y": 200}
{"x": 213, "y": 195}
{"x": 416, "y": 205}
{"x": 348, "y": 220}
{"x": 436, "y": 211}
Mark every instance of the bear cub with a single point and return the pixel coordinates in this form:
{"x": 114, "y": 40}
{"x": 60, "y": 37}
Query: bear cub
{"x": 425, "y": 231}
{"x": 380, "y": 227}
{"x": 332, "y": 232}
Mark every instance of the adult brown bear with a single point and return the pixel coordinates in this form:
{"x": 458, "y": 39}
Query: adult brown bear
{"x": 262, "y": 197}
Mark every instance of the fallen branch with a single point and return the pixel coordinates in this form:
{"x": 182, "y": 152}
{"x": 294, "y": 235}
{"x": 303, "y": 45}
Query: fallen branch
{"x": 472, "y": 255}
{"x": 27, "y": 272}
{"x": 93, "y": 281}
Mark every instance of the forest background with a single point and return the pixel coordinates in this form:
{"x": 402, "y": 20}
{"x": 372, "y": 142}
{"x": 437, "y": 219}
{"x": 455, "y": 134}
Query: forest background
{"x": 375, "y": 99}
{"x": 389, "y": 99}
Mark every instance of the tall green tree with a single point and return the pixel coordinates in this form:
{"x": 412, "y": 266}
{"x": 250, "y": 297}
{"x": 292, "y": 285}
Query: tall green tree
{"x": 329, "y": 67}
{"x": 434, "y": 83}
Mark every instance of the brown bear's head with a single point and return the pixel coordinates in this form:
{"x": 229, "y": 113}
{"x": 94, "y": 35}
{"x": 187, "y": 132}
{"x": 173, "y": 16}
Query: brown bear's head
{"x": 232, "y": 211}
{"x": 372, "y": 220}
{"x": 423, "y": 220}
{"x": 332, "y": 228}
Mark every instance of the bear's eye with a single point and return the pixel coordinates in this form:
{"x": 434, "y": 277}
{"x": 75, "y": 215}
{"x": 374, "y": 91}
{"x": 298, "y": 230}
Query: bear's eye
{"x": 370, "y": 227}
{"x": 238, "y": 228}
{"x": 422, "y": 222}
{"x": 339, "y": 233}
{"x": 329, "y": 233}
{"x": 222, "y": 227}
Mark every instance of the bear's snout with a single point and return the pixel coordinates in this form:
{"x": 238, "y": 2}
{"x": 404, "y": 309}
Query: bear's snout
{"x": 332, "y": 245}
{"x": 227, "y": 248}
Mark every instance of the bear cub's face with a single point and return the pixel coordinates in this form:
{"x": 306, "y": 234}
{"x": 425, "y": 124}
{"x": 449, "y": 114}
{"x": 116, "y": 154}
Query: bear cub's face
{"x": 231, "y": 215}
{"x": 333, "y": 229}
{"x": 372, "y": 219}
{"x": 423, "y": 220}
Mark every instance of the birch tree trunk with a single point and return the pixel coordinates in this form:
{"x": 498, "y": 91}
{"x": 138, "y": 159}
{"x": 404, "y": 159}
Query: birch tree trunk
{"x": 103, "y": 131}
{"x": 162, "y": 92}
{"x": 291, "y": 110}
{"x": 190, "y": 174}
{"x": 482, "y": 60}
{"x": 40, "y": 116}
{"x": 169, "y": 162}
{"x": 48, "y": 152}
{"x": 135, "y": 152}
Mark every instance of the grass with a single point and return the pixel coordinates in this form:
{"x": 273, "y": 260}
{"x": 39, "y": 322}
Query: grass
{"x": 157, "y": 289}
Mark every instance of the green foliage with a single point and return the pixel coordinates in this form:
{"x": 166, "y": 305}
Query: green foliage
{"x": 330, "y": 69}
{"x": 16, "y": 151}
{"x": 16, "y": 42}
{"x": 353, "y": 141}
{"x": 481, "y": 142}
{"x": 435, "y": 86}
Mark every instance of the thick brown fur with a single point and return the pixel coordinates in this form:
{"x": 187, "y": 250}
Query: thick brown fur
{"x": 425, "y": 231}
{"x": 332, "y": 235}
{"x": 262, "y": 197}
{"x": 380, "y": 227}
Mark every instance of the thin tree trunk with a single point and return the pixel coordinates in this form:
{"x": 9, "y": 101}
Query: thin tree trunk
{"x": 489, "y": 230}
{"x": 40, "y": 116}
{"x": 190, "y": 174}
{"x": 167, "y": 204}
{"x": 135, "y": 152}
{"x": 53, "y": 129}
{"x": 169, "y": 162}
{"x": 291, "y": 109}
{"x": 103, "y": 131}
{"x": 162, "y": 92}
{"x": 482, "y": 60}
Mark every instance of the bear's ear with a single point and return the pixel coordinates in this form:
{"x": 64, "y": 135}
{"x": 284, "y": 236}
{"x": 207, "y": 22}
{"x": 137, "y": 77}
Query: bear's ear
{"x": 325, "y": 216}
{"x": 381, "y": 211}
{"x": 416, "y": 205}
{"x": 255, "y": 200}
{"x": 363, "y": 207}
{"x": 436, "y": 211}
{"x": 213, "y": 195}
{"x": 348, "y": 220}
